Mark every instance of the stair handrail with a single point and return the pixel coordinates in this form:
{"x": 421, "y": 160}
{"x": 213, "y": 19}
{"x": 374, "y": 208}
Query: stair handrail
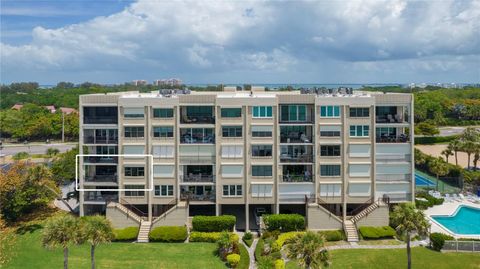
{"x": 133, "y": 208}
{"x": 167, "y": 207}
{"x": 123, "y": 208}
{"x": 322, "y": 202}
{"x": 362, "y": 207}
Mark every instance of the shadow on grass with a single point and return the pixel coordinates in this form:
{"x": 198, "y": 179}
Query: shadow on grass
{"x": 28, "y": 228}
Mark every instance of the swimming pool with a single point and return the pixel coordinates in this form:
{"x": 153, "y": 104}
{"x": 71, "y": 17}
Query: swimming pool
{"x": 465, "y": 221}
{"x": 423, "y": 181}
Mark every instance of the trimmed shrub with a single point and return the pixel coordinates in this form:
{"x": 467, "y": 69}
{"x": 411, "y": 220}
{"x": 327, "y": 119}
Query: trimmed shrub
{"x": 279, "y": 264}
{"x": 284, "y": 222}
{"x": 282, "y": 238}
{"x": 126, "y": 234}
{"x": 437, "y": 240}
{"x": 431, "y": 201}
{"x": 209, "y": 237}
{"x": 248, "y": 238}
{"x": 233, "y": 260}
{"x": 430, "y": 140}
{"x": 213, "y": 223}
{"x": 334, "y": 235}
{"x": 271, "y": 234}
{"x": 169, "y": 234}
{"x": 368, "y": 232}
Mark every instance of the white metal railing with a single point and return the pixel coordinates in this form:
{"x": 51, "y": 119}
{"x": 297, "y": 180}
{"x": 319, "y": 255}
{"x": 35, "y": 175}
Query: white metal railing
{"x": 454, "y": 245}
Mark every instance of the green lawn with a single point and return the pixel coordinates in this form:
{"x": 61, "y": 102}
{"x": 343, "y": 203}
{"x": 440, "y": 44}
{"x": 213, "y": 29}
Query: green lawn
{"x": 422, "y": 258}
{"x": 30, "y": 254}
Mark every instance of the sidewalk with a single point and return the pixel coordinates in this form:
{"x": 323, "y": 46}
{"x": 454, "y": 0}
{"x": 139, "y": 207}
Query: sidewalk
{"x": 11, "y": 145}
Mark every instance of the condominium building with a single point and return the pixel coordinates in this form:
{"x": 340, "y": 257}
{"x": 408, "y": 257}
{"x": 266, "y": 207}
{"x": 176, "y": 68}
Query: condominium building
{"x": 336, "y": 157}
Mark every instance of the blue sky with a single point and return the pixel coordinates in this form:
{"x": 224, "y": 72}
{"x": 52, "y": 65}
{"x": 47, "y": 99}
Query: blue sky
{"x": 110, "y": 41}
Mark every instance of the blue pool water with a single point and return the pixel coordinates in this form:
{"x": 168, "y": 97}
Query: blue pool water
{"x": 423, "y": 181}
{"x": 466, "y": 220}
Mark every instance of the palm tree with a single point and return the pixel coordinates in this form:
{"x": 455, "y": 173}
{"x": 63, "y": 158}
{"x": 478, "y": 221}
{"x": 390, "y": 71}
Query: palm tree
{"x": 470, "y": 138}
{"x": 61, "y": 232}
{"x": 455, "y": 145}
{"x": 96, "y": 230}
{"x": 410, "y": 221}
{"x": 309, "y": 249}
{"x": 476, "y": 156}
{"x": 447, "y": 152}
{"x": 439, "y": 168}
{"x": 50, "y": 153}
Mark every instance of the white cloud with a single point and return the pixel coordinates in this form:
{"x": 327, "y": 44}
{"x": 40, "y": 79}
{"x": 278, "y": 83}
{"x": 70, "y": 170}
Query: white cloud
{"x": 205, "y": 38}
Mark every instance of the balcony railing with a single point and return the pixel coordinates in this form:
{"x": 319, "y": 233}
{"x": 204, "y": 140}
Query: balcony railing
{"x": 197, "y": 119}
{"x": 296, "y": 178}
{"x": 295, "y": 138}
{"x": 102, "y": 159}
{"x": 197, "y": 178}
{"x": 300, "y": 158}
{"x": 101, "y": 178}
{"x": 393, "y": 158}
{"x": 100, "y": 140}
{"x": 398, "y": 197}
{"x": 197, "y": 197}
{"x": 197, "y": 159}
{"x": 393, "y": 177}
{"x": 209, "y": 139}
{"x": 402, "y": 138}
{"x": 98, "y": 196}
{"x": 389, "y": 118}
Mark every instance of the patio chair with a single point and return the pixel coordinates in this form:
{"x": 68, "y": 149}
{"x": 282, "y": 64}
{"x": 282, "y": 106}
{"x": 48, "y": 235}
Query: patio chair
{"x": 461, "y": 197}
{"x": 470, "y": 198}
{"x": 456, "y": 198}
{"x": 447, "y": 198}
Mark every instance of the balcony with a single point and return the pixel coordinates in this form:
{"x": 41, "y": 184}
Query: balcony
{"x": 197, "y": 193}
{"x": 383, "y": 178}
{"x": 296, "y": 134}
{"x": 296, "y": 154}
{"x": 390, "y": 114}
{"x": 296, "y": 113}
{"x": 391, "y": 158}
{"x": 100, "y": 196}
{"x": 300, "y": 158}
{"x": 392, "y": 138}
{"x": 197, "y": 136}
{"x": 296, "y": 173}
{"x": 296, "y": 178}
{"x": 100, "y": 115}
{"x": 197, "y": 115}
{"x": 100, "y": 136}
{"x": 100, "y": 159}
{"x": 192, "y": 178}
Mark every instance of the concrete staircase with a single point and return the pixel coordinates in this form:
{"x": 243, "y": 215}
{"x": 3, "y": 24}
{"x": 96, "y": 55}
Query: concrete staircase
{"x": 365, "y": 212}
{"x": 144, "y": 231}
{"x": 350, "y": 231}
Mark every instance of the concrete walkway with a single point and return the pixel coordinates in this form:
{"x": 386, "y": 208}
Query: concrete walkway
{"x": 251, "y": 253}
{"x": 357, "y": 246}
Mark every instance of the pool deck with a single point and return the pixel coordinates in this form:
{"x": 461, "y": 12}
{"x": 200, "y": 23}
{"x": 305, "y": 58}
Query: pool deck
{"x": 448, "y": 208}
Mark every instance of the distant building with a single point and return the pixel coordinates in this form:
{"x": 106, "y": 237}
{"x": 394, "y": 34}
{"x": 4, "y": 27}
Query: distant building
{"x": 52, "y": 109}
{"x": 168, "y": 82}
{"x": 139, "y": 82}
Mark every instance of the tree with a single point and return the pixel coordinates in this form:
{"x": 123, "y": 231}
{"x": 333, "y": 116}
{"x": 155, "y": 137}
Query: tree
{"x": 455, "y": 145}
{"x": 63, "y": 166}
{"x": 61, "y": 232}
{"x": 447, "y": 152}
{"x": 439, "y": 168}
{"x": 23, "y": 188}
{"x": 96, "y": 230}
{"x": 470, "y": 138}
{"x": 425, "y": 128}
{"x": 309, "y": 249}
{"x": 410, "y": 221}
{"x": 476, "y": 156}
{"x": 50, "y": 152}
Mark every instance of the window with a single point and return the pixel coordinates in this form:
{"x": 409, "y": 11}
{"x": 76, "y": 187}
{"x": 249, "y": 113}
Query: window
{"x": 134, "y": 131}
{"x": 232, "y": 190}
{"x": 333, "y": 150}
{"x": 163, "y": 113}
{"x": 136, "y": 192}
{"x": 163, "y": 151}
{"x": 232, "y": 151}
{"x": 163, "y": 131}
{"x": 231, "y": 112}
{"x": 330, "y": 170}
{"x": 232, "y": 131}
{"x": 359, "y": 150}
{"x": 133, "y": 112}
{"x": 232, "y": 170}
{"x": 262, "y": 150}
{"x": 359, "y": 112}
{"x": 262, "y": 190}
{"x": 261, "y": 170}
{"x": 293, "y": 113}
{"x": 134, "y": 171}
{"x": 133, "y": 150}
{"x": 329, "y": 111}
{"x": 359, "y": 130}
{"x": 163, "y": 190}
{"x": 359, "y": 170}
{"x": 262, "y": 131}
{"x": 163, "y": 171}
{"x": 106, "y": 150}
{"x": 262, "y": 111}
{"x": 359, "y": 189}
{"x": 330, "y": 130}
{"x": 331, "y": 190}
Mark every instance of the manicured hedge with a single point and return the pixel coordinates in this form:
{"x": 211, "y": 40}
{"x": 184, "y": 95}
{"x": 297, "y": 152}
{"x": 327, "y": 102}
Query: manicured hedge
{"x": 213, "y": 223}
{"x": 431, "y": 201}
{"x": 430, "y": 140}
{"x": 284, "y": 222}
{"x": 437, "y": 240}
{"x": 208, "y": 237}
{"x": 169, "y": 234}
{"x": 368, "y": 232}
{"x": 127, "y": 234}
{"x": 282, "y": 238}
{"x": 334, "y": 235}
{"x": 259, "y": 249}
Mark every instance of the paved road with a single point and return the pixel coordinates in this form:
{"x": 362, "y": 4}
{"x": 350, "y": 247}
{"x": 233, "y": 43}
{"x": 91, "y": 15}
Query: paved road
{"x": 35, "y": 148}
{"x": 446, "y": 131}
